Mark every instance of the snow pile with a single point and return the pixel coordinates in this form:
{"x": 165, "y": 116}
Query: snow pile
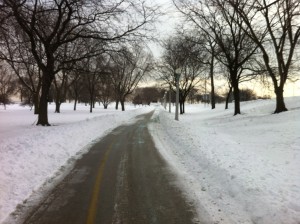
{"x": 31, "y": 155}
{"x": 236, "y": 169}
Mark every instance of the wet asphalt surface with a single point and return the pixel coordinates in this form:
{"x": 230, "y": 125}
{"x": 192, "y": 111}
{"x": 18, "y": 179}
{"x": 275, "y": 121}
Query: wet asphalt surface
{"x": 122, "y": 179}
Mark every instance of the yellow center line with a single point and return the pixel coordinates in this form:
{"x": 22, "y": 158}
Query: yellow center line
{"x": 95, "y": 196}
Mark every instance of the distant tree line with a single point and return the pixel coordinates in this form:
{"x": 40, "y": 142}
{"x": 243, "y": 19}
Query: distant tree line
{"x": 147, "y": 95}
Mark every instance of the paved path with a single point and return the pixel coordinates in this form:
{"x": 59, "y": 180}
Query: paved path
{"x": 122, "y": 180}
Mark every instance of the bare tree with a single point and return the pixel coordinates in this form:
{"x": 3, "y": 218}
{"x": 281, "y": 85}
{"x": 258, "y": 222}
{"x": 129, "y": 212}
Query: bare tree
{"x": 76, "y": 86}
{"x": 128, "y": 68}
{"x": 91, "y": 79}
{"x": 211, "y": 47}
{"x": 64, "y": 78}
{"x": 49, "y": 25}
{"x": 106, "y": 89}
{"x": 274, "y": 26}
{"x": 16, "y": 52}
{"x": 61, "y": 86}
{"x": 207, "y": 50}
{"x": 182, "y": 54}
{"x": 228, "y": 95}
{"x": 7, "y": 85}
{"x": 227, "y": 30}
{"x": 93, "y": 73}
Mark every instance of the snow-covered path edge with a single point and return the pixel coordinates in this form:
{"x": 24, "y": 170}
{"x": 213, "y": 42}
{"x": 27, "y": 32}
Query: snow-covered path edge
{"x": 242, "y": 169}
{"x": 41, "y": 156}
{"x": 186, "y": 182}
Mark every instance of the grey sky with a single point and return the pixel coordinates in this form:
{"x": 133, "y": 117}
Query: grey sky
{"x": 166, "y": 25}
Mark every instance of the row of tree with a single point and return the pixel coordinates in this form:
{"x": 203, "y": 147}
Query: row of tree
{"x": 239, "y": 39}
{"x": 95, "y": 48}
{"x": 48, "y": 42}
{"x": 100, "y": 79}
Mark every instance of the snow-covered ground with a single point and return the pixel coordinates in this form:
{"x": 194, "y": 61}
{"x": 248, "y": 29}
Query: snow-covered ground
{"x": 31, "y": 155}
{"x": 236, "y": 169}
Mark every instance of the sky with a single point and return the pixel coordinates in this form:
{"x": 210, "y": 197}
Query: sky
{"x": 166, "y": 25}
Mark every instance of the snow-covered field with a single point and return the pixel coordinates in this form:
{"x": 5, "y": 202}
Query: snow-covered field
{"x": 236, "y": 169}
{"x": 31, "y": 155}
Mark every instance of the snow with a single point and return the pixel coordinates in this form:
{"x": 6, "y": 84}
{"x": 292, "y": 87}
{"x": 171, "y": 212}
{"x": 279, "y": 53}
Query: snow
{"x": 236, "y": 169}
{"x": 31, "y": 155}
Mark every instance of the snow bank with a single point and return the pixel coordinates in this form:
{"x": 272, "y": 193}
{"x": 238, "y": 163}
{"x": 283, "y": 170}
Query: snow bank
{"x": 236, "y": 169}
{"x": 31, "y": 155}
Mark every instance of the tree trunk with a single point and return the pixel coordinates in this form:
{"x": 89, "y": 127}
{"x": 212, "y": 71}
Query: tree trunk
{"x": 213, "y": 100}
{"x": 123, "y": 104}
{"x": 280, "y": 105}
{"x": 21, "y": 95}
{"x": 236, "y": 95}
{"x": 43, "y": 106}
{"x": 117, "y": 104}
{"x": 75, "y": 104}
{"x": 57, "y": 101}
{"x": 91, "y": 104}
{"x": 227, "y": 98}
{"x": 36, "y": 103}
{"x": 181, "y": 106}
{"x": 57, "y": 106}
{"x": 75, "y": 100}
{"x": 92, "y": 97}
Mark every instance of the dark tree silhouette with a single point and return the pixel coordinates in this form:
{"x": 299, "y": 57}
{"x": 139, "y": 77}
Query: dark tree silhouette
{"x": 49, "y": 25}
{"x": 183, "y": 55}
{"x": 227, "y": 30}
{"x": 128, "y": 68}
{"x": 7, "y": 85}
{"x": 277, "y": 35}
